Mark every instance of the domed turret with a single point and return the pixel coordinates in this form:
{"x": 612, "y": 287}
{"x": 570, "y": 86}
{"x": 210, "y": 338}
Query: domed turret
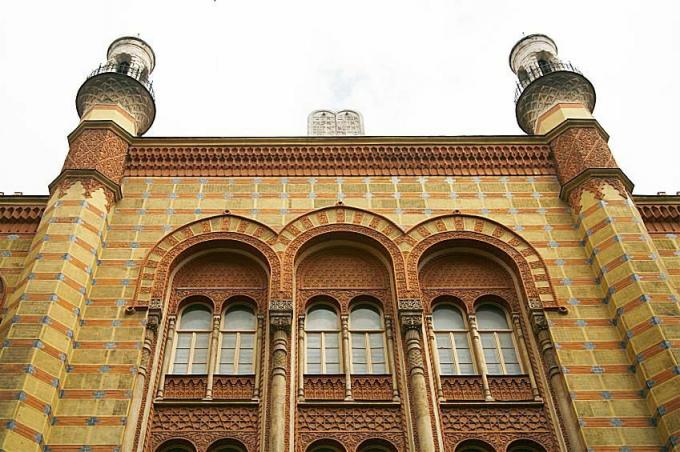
{"x": 120, "y": 89}
{"x": 549, "y": 90}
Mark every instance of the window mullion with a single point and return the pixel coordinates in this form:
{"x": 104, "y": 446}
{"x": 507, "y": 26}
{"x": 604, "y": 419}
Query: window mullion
{"x": 501, "y": 360}
{"x": 322, "y": 352}
{"x": 369, "y": 361}
{"x": 191, "y": 353}
{"x": 237, "y": 352}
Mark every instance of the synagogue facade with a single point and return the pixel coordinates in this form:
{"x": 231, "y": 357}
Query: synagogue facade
{"x": 339, "y": 292}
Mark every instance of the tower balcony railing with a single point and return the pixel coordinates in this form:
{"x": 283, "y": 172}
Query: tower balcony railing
{"x": 136, "y": 72}
{"x": 537, "y": 71}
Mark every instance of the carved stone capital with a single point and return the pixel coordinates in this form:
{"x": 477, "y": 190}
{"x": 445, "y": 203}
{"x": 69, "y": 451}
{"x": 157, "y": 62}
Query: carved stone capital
{"x": 411, "y": 321}
{"x": 281, "y": 314}
{"x": 539, "y": 322}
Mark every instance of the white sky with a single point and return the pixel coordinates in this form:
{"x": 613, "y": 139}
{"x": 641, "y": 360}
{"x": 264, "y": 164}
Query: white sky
{"x": 257, "y": 68}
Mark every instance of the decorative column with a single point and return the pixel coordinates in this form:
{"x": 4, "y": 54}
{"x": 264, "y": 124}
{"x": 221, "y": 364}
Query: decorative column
{"x": 347, "y": 365}
{"x": 150, "y": 333}
{"x": 524, "y": 353}
{"x": 257, "y": 357}
{"x": 433, "y": 346}
{"x": 557, "y": 383}
{"x": 212, "y": 359}
{"x": 411, "y": 313}
{"x": 301, "y": 358}
{"x": 389, "y": 330}
{"x": 479, "y": 356}
{"x": 280, "y": 320}
{"x": 169, "y": 342}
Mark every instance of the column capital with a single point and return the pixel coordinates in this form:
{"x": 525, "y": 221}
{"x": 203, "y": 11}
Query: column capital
{"x": 281, "y": 314}
{"x": 411, "y": 313}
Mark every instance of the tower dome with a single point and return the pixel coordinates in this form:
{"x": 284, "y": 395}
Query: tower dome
{"x": 120, "y": 89}
{"x": 549, "y": 90}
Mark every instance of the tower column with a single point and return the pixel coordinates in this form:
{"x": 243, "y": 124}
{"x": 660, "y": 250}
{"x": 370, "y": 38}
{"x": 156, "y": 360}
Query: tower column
{"x": 280, "y": 321}
{"x": 640, "y": 296}
{"x": 411, "y": 314}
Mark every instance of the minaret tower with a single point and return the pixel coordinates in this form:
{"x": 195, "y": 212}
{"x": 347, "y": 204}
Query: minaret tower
{"x": 555, "y": 100}
{"x": 120, "y": 89}
{"x": 549, "y": 90}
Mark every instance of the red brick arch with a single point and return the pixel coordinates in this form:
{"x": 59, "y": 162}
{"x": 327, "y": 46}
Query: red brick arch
{"x": 487, "y": 235}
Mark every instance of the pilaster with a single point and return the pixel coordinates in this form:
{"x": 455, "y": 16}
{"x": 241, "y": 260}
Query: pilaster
{"x": 280, "y": 321}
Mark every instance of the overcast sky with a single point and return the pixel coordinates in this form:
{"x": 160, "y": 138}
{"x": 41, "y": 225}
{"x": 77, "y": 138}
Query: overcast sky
{"x": 257, "y": 68}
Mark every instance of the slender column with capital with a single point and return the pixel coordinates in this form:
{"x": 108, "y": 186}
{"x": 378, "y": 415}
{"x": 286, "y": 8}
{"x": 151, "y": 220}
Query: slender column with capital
{"x": 433, "y": 346}
{"x": 258, "y": 354}
{"x": 212, "y": 360}
{"x": 479, "y": 355}
{"x": 412, "y": 323}
{"x": 301, "y": 358}
{"x": 525, "y": 356}
{"x": 153, "y": 321}
{"x": 390, "y": 357}
{"x": 169, "y": 341}
{"x": 346, "y": 357}
{"x": 280, "y": 320}
{"x": 557, "y": 384}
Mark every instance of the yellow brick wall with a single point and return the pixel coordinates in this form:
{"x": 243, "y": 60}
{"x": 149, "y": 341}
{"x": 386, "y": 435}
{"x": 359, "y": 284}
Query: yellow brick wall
{"x": 93, "y": 404}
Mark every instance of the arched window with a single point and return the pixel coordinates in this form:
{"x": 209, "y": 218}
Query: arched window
{"x": 322, "y": 339}
{"x": 237, "y": 341}
{"x": 178, "y": 445}
{"x": 367, "y": 333}
{"x": 376, "y": 445}
{"x": 545, "y": 66}
{"x": 500, "y": 352}
{"x": 227, "y": 446}
{"x": 325, "y": 446}
{"x": 474, "y": 446}
{"x": 123, "y": 67}
{"x": 193, "y": 338}
{"x": 525, "y": 446}
{"x": 523, "y": 76}
{"x": 453, "y": 344}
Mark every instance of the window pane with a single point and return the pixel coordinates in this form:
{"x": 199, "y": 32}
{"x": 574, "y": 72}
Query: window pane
{"x": 332, "y": 355}
{"x": 245, "y": 369}
{"x": 333, "y": 368}
{"x": 183, "y": 340}
{"x": 488, "y": 340}
{"x": 447, "y": 318}
{"x": 202, "y": 340}
{"x": 331, "y": 340}
{"x": 228, "y": 340}
{"x": 196, "y": 317}
{"x": 247, "y": 340}
{"x": 322, "y": 318}
{"x": 447, "y": 369}
{"x": 182, "y": 356}
{"x": 509, "y": 356}
{"x": 239, "y": 318}
{"x": 491, "y": 317}
{"x": 467, "y": 369}
{"x": 379, "y": 368}
{"x": 200, "y": 356}
{"x": 199, "y": 369}
{"x": 226, "y": 369}
{"x": 358, "y": 340}
{"x": 494, "y": 369}
{"x": 245, "y": 356}
{"x": 376, "y": 340}
{"x": 513, "y": 369}
{"x": 314, "y": 340}
{"x": 179, "y": 369}
{"x": 313, "y": 368}
{"x": 365, "y": 318}
{"x": 506, "y": 340}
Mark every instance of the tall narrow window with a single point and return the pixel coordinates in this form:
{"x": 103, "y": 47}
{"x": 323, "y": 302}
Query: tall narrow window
{"x": 192, "y": 340}
{"x": 237, "y": 341}
{"x": 500, "y": 353}
{"x": 368, "y": 341}
{"x": 453, "y": 345}
{"x": 322, "y": 338}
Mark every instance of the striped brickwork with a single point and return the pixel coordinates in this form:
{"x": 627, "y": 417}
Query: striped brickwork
{"x": 641, "y": 299}
{"x": 43, "y": 314}
{"x": 608, "y": 398}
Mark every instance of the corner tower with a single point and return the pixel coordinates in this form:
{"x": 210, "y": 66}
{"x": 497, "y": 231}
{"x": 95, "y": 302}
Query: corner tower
{"x": 120, "y": 89}
{"x": 549, "y": 90}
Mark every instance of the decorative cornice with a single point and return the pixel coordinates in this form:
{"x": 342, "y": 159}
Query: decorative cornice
{"x": 661, "y": 213}
{"x": 595, "y": 173}
{"x": 78, "y": 174}
{"x": 21, "y": 214}
{"x": 332, "y": 157}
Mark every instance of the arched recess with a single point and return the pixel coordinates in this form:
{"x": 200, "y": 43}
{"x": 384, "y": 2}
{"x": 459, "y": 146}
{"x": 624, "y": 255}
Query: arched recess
{"x": 227, "y": 445}
{"x": 364, "y": 226}
{"x": 326, "y": 445}
{"x": 504, "y": 268}
{"x": 376, "y": 445}
{"x": 490, "y": 236}
{"x": 221, "y": 234}
{"x": 160, "y": 261}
